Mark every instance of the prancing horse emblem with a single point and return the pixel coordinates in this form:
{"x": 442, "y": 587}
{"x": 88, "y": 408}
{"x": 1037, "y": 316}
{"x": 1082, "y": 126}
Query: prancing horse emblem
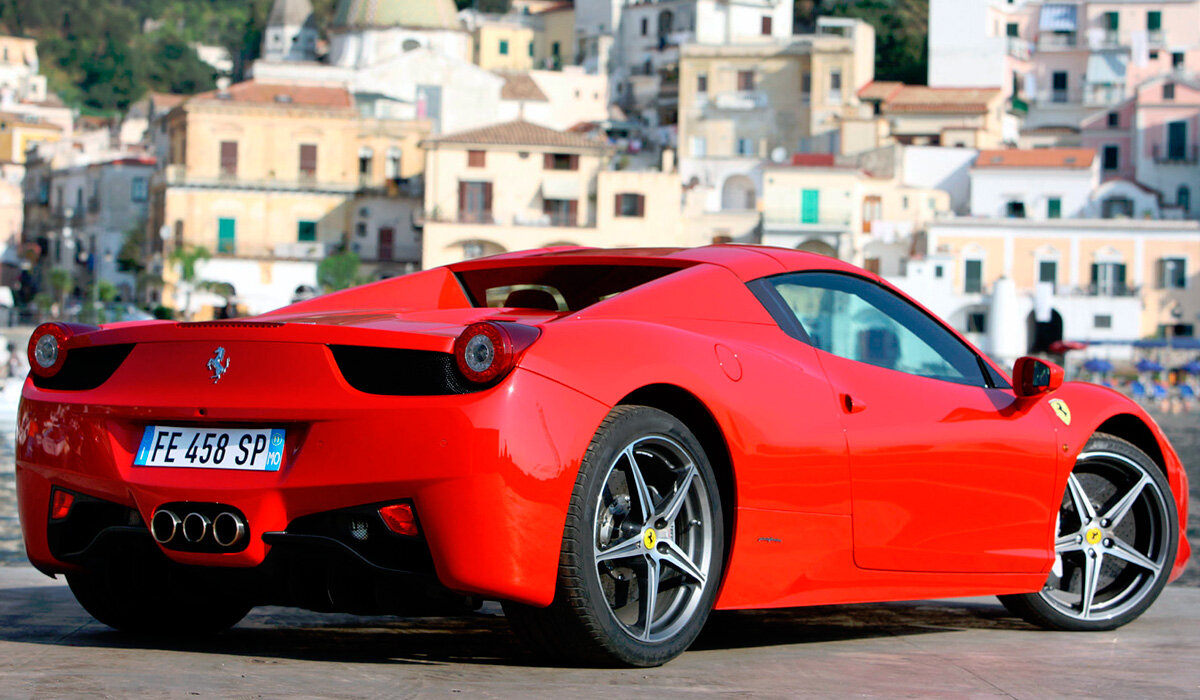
{"x": 215, "y": 366}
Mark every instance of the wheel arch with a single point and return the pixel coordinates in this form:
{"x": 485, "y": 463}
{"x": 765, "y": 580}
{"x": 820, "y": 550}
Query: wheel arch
{"x": 1132, "y": 429}
{"x": 693, "y": 412}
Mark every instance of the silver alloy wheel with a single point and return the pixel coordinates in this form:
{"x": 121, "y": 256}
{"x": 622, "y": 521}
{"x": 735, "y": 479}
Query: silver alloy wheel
{"x": 653, "y": 538}
{"x": 1111, "y": 541}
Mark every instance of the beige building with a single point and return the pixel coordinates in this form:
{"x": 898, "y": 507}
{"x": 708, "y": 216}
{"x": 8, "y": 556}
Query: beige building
{"x": 18, "y": 133}
{"x": 517, "y": 186}
{"x": 506, "y": 42}
{"x": 262, "y": 173}
{"x": 915, "y": 115}
{"x": 843, "y": 211}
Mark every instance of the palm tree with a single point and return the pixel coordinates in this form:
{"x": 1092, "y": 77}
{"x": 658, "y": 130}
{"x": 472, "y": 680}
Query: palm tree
{"x": 186, "y": 258}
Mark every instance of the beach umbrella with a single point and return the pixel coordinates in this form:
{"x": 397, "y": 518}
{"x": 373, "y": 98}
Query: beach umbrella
{"x": 1145, "y": 365}
{"x": 1098, "y": 365}
{"x": 1192, "y": 367}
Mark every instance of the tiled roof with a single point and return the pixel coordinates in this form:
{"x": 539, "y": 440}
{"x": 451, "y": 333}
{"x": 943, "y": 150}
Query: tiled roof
{"x": 419, "y": 14}
{"x": 165, "y": 100}
{"x": 879, "y": 90}
{"x": 918, "y": 98}
{"x": 1037, "y": 158}
{"x": 27, "y": 120}
{"x": 556, "y": 7}
{"x": 813, "y": 160}
{"x": 519, "y": 133}
{"x": 254, "y": 92}
{"x": 521, "y": 87}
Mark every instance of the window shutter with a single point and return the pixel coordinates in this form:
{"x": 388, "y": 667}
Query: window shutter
{"x": 1161, "y": 273}
{"x": 487, "y": 198}
{"x": 617, "y": 207}
{"x": 574, "y": 163}
{"x": 548, "y": 161}
{"x": 573, "y": 212}
{"x": 641, "y": 205}
{"x": 308, "y": 158}
{"x": 462, "y": 196}
{"x": 1095, "y": 273}
{"x": 229, "y": 156}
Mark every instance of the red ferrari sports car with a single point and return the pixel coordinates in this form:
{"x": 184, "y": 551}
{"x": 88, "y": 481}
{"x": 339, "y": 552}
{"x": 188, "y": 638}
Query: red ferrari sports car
{"x": 612, "y": 443}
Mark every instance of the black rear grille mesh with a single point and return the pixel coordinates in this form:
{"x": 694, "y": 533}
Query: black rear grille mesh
{"x": 400, "y": 372}
{"x": 86, "y": 368}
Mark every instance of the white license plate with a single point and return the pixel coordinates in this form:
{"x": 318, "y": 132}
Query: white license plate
{"x": 211, "y": 448}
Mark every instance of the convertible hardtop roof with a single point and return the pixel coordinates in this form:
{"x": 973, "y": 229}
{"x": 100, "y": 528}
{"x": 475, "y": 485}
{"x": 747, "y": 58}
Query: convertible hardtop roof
{"x": 746, "y": 261}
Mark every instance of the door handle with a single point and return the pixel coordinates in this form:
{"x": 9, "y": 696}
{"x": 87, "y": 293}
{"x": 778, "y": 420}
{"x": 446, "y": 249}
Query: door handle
{"x": 850, "y": 405}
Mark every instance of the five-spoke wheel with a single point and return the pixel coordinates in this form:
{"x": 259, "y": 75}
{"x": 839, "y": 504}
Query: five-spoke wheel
{"x": 642, "y": 551}
{"x": 1115, "y": 543}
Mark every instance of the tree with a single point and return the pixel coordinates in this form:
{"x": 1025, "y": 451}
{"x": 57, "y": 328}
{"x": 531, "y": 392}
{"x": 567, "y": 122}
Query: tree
{"x": 901, "y": 28}
{"x": 63, "y": 282}
{"x": 175, "y": 67}
{"x": 186, "y": 258}
{"x": 339, "y": 271}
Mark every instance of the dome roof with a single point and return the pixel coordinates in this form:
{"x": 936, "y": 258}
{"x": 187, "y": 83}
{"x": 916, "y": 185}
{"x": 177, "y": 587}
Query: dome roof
{"x": 419, "y": 14}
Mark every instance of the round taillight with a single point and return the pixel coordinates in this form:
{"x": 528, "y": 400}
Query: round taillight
{"x": 487, "y": 351}
{"x": 47, "y": 351}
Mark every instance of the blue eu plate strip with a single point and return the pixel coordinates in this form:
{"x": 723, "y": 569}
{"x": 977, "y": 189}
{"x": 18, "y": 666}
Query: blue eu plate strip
{"x": 144, "y": 450}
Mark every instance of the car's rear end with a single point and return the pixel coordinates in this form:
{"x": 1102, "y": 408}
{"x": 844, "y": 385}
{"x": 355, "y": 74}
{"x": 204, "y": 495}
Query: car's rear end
{"x": 323, "y": 460}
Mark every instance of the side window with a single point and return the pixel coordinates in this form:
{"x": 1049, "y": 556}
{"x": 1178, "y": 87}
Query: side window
{"x": 861, "y": 321}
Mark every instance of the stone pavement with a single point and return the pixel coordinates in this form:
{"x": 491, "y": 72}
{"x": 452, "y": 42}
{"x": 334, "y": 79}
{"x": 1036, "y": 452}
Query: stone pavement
{"x": 964, "y": 648}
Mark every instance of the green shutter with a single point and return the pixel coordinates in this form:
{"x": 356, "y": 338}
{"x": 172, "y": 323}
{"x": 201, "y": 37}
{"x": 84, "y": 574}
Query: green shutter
{"x": 1114, "y": 21}
{"x": 306, "y": 231}
{"x": 531, "y": 49}
{"x": 1154, "y": 20}
{"x": 227, "y": 236}
{"x": 810, "y": 206}
{"x": 504, "y": 47}
{"x": 1054, "y": 208}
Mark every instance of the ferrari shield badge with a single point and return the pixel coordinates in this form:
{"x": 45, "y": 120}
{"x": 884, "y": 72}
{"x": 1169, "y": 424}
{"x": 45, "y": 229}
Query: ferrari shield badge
{"x": 1061, "y": 410}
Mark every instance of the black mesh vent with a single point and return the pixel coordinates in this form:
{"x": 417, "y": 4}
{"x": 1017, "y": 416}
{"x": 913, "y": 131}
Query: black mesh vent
{"x": 400, "y": 372}
{"x": 86, "y": 368}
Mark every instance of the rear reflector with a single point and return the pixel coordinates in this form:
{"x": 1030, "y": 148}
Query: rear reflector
{"x": 60, "y": 504}
{"x": 400, "y": 519}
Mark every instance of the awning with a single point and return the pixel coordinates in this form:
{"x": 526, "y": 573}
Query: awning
{"x": 1107, "y": 68}
{"x": 1059, "y": 18}
{"x": 560, "y": 188}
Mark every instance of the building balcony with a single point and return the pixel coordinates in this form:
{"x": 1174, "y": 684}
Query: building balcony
{"x": 1157, "y": 38}
{"x": 1108, "y": 39}
{"x": 741, "y": 101}
{"x": 1018, "y": 48}
{"x": 1103, "y": 94}
{"x": 177, "y": 176}
{"x": 488, "y": 218}
{"x": 303, "y": 250}
{"x": 1113, "y": 290}
{"x": 793, "y": 218}
{"x": 1057, "y": 41}
{"x": 1176, "y": 156}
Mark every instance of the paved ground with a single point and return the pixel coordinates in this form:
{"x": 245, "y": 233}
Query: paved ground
{"x": 50, "y": 648}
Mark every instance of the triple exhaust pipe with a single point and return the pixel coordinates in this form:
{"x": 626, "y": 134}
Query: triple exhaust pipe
{"x": 227, "y": 529}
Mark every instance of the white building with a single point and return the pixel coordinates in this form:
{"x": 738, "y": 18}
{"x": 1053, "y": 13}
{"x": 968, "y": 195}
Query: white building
{"x": 368, "y": 33}
{"x": 291, "y": 33}
{"x": 1045, "y": 183}
{"x": 963, "y": 51}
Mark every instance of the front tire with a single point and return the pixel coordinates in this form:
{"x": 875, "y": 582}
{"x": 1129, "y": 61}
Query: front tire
{"x": 642, "y": 551}
{"x": 1115, "y": 544}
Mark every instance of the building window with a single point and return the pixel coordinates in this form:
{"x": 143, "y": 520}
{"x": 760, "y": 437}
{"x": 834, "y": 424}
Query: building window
{"x": 473, "y": 249}
{"x": 1048, "y": 272}
{"x": 973, "y": 276}
{"x": 387, "y": 237}
{"x": 1172, "y": 273}
{"x": 1012, "y": 29}
{"x": 766, "y": 25}
{"x": 1014, "y": 209}
{"x": 1116, "y": 208}
{"x": 1168, "y": 92}
{"x": 939, "y": 272}
{"x": 745, "y": 147}
{"x": 1112, "y": 21}
{"x": 1059, "y": 86}
{"x": 699, "y": 147}
{"x": 1177, "y": 141}
{"x": 1102, "y": 321}
{"x": 476, "y": 159}
{"x": 745, "y": 80}
{"x": 140, "y": 189}
{"x": 562, "y": 212}
{"x": 531, "y": 49}
{"x": 560, "y": 161}
{"x": 1183, "y": 198}
{"x": 1176, "y": 59}
{"x": 504, "y": 47}
{"x": 308, "y": 161}
{"x": 630, "y": 206}
{"x": 1154, "y": 20}
{"x": 806, "y": 85}
{"x": 227, "y": 236}
{"x": 475, "y": 202}
{"x": 1114, "y": 120}
{"x": 1108, "y": 279}
{"x": 1054, "y": 208}
{"x": 229, "y": 158}
{"x": 555, "y": 49}
{"x": 365, "y": 159}
{"x": 835, "y": 85}
{"x": 394, "y": 163}
{"x": 1112, "y": 157}
{"x": 702, "y": 83}
{"x": 306, "y": 231}
{"x": 645, "y": 26}
{"x": 977, "y": 322}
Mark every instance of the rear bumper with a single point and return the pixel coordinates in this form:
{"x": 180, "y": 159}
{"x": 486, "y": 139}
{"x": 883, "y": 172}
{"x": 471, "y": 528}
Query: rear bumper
{"x": 490, "y": 474}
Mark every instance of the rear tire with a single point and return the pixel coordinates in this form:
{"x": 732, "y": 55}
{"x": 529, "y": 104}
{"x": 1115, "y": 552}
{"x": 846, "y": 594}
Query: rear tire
{"x": 644, "y": 517}
{"x": 1115, "y": 544}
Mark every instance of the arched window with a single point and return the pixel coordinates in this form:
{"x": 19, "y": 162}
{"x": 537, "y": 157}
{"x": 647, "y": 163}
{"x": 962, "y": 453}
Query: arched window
{"x": 394, "y": 161}
{"x": 365, "y": 156}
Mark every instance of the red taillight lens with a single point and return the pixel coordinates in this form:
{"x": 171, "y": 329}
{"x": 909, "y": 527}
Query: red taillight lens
{"x": 60, "y": 504}
{"x": 48, "y": 346}
{"x": 400, "y": 519}
{"x": 487, "y": 351}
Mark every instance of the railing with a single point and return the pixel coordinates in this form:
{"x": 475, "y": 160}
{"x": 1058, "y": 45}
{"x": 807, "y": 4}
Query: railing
{"x": 1051, "y": 41}
{"x": 1019, "y": 48}
{"x": 176, "y": 175}
{"x": 1109, "y": 39}
{"x": 1101, "y": 94}
{"x": 740, "y": 101}
{"x": 1104, "y": 290}
{"x": 1180, "y": 156}
{"x": 1157, "y": 38}
{"x": 794, "y": 216}
{"x": 302, "y": 250}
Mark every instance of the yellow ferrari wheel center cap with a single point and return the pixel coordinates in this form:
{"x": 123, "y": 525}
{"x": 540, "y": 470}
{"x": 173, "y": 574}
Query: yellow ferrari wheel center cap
{"x": 1094, "y": 535}
{"x": 650, "y": 538}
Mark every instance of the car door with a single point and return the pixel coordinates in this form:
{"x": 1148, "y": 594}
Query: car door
{"x": 949, "y": 471}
